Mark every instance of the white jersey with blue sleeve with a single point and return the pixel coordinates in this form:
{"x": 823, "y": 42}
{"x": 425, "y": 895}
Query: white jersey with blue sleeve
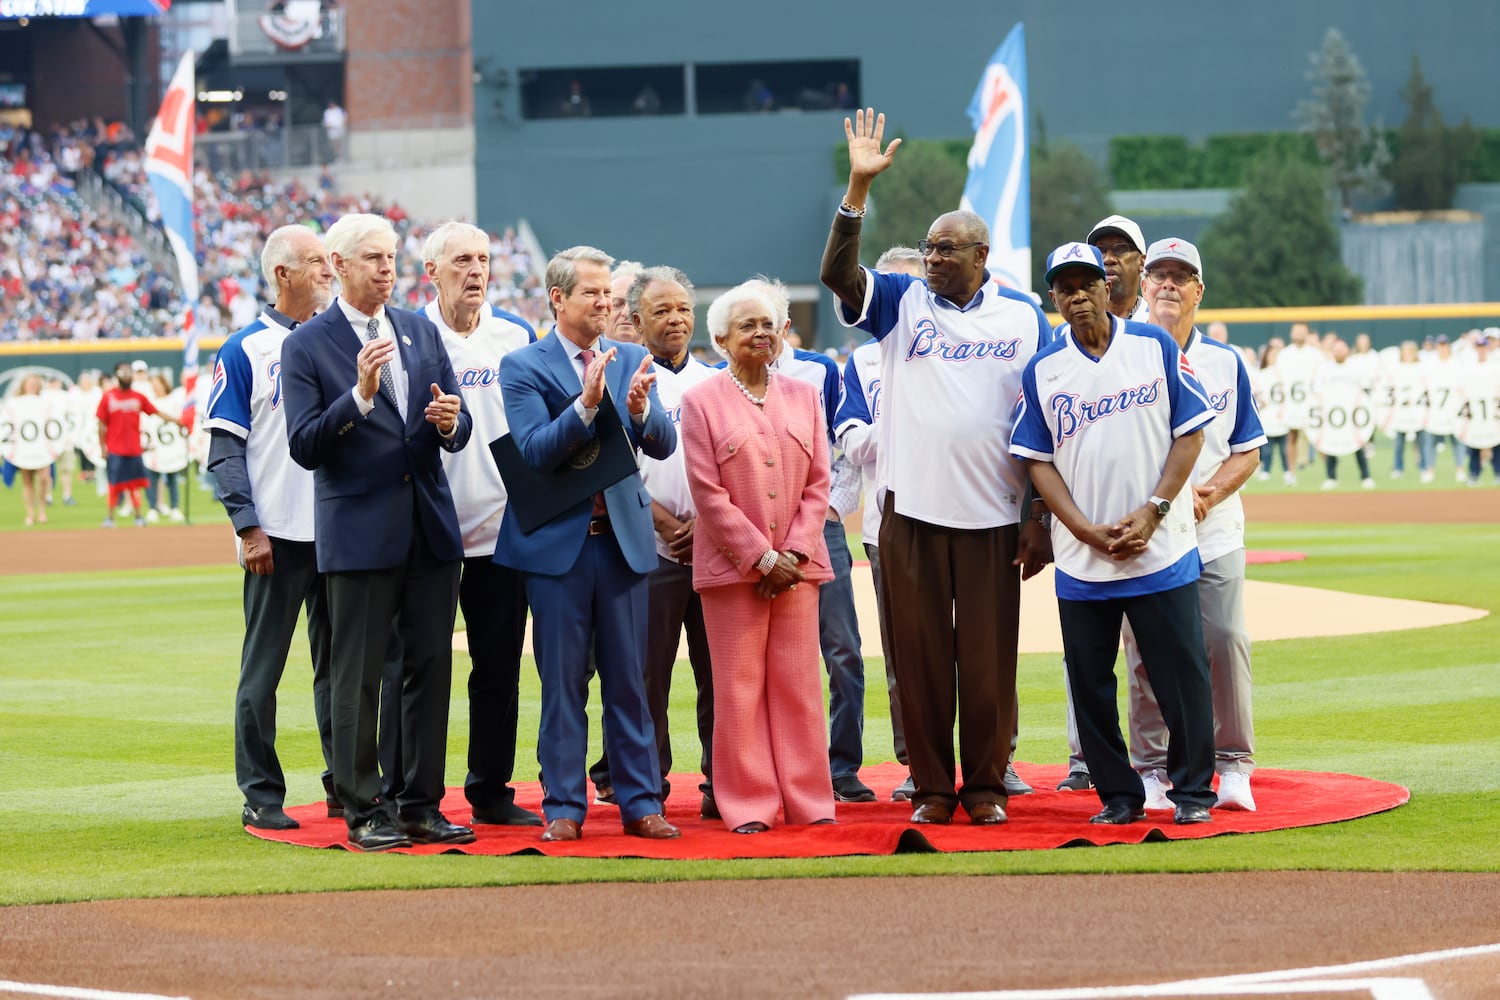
{"x": 478, "y": 491}
{"x": 822, "y": 373}
{"x": 1235, "y": 429}
{"x": 246, "y": 401}
{"x": 666, "y": 479}
{"x": 951, "y": 377}
{"x": 859, "y": 428}
{"x": 1107, "y": 424}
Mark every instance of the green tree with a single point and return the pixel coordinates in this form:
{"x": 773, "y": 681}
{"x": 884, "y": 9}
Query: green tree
{"x": 1431, "y": 160}
{"x": 1356, "y": 153}
{"x": 923, "y": 182}
{"x": 1068, "y": 196}
{"x": 1277, "y": 245}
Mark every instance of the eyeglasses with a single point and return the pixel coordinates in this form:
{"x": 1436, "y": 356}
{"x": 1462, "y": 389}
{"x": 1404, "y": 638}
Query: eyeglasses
{"x": 1180, "y": 279}
{"x": 945, "y": 249}
{"x": 1117, "y": 251}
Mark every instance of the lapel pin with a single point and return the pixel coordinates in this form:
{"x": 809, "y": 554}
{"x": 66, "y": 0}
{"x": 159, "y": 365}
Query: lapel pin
{"x": 406, "y": 340}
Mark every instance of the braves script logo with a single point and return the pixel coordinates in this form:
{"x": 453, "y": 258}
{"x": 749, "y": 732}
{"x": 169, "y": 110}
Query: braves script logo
{"x": 478, "y": 378}
{"x": 273, "y": 372}
{"x": 929, "y": 342}
{"x": 674, "y": 414}
{"x": 1072, "y": 414}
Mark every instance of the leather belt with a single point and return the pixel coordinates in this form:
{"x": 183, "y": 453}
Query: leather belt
{"x": 600, "y": 526}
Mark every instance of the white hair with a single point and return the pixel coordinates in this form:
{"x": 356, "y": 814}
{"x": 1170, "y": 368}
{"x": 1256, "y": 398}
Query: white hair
{"x": 901, "y": 255}
{"x": 435, "y": 247}
{"x": 646, "y": 276}
{"x": 626, "y": 269}
{"x": 769, "y": 292}
{"x": 345, "y": 235}
{"x": 280, "y": 251}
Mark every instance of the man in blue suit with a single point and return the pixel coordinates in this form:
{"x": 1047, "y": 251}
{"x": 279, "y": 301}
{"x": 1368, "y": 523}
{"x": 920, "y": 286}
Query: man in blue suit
{"x": 586, "y": 569}
{"x": 371, "y": 402}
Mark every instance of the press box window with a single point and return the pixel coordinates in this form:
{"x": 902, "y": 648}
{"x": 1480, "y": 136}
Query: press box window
{"x": 617, "y": 91}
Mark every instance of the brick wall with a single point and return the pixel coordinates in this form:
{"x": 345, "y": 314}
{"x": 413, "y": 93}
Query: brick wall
{"x": 409, "y": 63}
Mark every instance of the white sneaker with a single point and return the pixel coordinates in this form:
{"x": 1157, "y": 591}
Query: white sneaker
{"x": 152, "y": 516}
{"x": 1234, "y": 791}
{"x": 1397, "y": 473}
{"x": 1289, "y": 479}
{"x": 174, "y": 514}
{"x": 1460, "y": 476}
{"x": 1426, "y": 475}
{"x": 1330, "y": 484}
{"x": 1367, "y": 483}
{"x": 1263, "y": 476}
{"x": 1156, "y": 791}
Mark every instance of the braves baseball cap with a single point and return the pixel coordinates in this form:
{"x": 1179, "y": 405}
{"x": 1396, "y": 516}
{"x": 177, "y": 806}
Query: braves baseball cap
{"x": 1172, "y": 248}
{"x": 1074, "y": 255}
{"x": 138, "y": 366}
{"x": 1123, "y": 226}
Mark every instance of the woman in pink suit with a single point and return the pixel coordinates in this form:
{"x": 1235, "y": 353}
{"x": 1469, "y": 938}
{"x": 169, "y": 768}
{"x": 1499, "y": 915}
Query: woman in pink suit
{"x": 757, "y": 461}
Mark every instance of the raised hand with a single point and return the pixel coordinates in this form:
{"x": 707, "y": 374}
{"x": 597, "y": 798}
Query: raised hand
{"x": 640, "y": 387}
{"x": 443, "y": 410}
{"x": 865, "y": 135}
{"x": 593, "y": 378}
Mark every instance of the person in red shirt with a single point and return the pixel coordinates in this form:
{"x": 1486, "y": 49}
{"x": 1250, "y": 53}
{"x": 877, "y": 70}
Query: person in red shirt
{"x": 119, "y": 414}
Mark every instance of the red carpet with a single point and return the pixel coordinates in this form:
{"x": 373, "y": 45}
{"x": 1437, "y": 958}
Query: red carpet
{"x": 1259, "y": 557}
{"x": 1046, "y": 819}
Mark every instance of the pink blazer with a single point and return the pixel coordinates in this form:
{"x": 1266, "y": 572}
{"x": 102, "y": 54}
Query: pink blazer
{"x": 759, "y": 478}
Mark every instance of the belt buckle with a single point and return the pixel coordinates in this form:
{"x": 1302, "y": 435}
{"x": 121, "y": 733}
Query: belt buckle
{"x": 598, "y": 526}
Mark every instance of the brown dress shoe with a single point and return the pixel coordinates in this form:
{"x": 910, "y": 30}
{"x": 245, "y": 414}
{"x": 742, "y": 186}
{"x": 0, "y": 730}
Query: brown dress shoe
{"x": 561, "y": 829}
{"x": 653, "y": 827}
{"x": 932, "y": 812}
{"x": 986, "y": 814}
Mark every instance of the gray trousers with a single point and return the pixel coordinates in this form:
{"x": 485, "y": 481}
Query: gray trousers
{"x": 272, "y": 604}
{"x": 1221, "y": 599}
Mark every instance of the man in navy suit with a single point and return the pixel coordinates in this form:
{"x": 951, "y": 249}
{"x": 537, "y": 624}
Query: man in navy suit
{"x": 586, "y": 569}
{"x": 371, "y": 402}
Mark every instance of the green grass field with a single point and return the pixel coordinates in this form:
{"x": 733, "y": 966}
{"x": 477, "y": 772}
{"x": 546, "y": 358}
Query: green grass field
{"x": 116, "y": 770}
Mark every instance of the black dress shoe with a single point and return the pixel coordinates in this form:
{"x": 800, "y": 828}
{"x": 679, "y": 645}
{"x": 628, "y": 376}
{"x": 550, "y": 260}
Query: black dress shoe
{"x": 377, "y": 835}
{"x": 268, "y": 818}
{"x": 1188, "y": 813}
{"x": 434, "y": 828}
{"x": 1117, "y": 815}
{"x": 508, "y": 814}
{"x": 331, "y": 799}
{"x": 708, "y": 808}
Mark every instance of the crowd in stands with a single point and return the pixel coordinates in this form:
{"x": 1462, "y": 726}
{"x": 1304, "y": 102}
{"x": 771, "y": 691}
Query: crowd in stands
{"x": 70, "y": 273}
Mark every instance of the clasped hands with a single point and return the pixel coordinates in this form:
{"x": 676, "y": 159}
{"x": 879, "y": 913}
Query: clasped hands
{"x": 1127, "y": 537}
{"x": 640, "y": 383}
{"x": 785, "y": 575}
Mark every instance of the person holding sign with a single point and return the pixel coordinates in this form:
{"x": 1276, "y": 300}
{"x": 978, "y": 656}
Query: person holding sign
{"x": 1340, "y": 420}
{"x": 30, "y": 449}
{"x": 586, "y": 564}
{"x": 119, "y": 415}
{"x": 1479, "y": 410}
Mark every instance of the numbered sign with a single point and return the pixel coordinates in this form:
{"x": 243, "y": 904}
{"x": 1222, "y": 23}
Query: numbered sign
{"x": 30, "y": 432}
{"x": 1270, "y": 400}
{"x": 163, "y": 447}
{"x": 1479, "y": 407}
{"x": 1401, "y": 400}
{"x": 86, "y": 408}
{"x": 1340, "y": 419}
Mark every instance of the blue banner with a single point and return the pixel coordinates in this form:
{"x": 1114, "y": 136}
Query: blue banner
{"x": 12, "y": 9}
{"x": 999, "y": 185}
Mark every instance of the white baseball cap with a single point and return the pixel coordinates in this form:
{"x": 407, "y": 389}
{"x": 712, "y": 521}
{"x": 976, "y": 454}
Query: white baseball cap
{"x": 1172, "y": 248}
{"x": 138, "y": 366}
{"x": 1123, "y": 226}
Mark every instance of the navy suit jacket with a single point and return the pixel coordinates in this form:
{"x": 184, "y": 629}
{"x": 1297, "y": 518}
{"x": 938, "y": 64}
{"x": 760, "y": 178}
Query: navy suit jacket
{"x": 374, "y": 476}
{"x": 539, "y": 383}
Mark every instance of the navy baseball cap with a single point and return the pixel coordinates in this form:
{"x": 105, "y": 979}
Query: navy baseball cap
{"x": 1074, "y": 255}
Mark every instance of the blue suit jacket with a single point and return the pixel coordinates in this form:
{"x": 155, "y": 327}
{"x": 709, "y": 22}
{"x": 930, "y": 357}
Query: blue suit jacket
{"x": 373, "y": 476}
{"x": 539, "y": 384}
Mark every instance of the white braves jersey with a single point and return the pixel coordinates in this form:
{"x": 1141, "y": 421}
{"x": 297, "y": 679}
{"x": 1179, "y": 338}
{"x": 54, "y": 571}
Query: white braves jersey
{"x": 246, "y": 401}
{"x": 1107, "y": 425}
{"x": 952, "y": 375}
{"x": 1235, "y": 429}
{"x": 859, "y": 429}
{"x": 473, "y": 477}
{"x": 666, "y": 478}
{"x": 820, "y": 372}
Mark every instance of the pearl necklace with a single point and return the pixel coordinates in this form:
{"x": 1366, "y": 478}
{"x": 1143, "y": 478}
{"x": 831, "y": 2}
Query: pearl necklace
{"x": 757, "y": 400}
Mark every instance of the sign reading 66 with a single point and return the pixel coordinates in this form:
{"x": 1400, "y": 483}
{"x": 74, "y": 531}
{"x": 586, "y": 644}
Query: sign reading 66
{"x": 1340, "y": 419}
{"x": 163, "y": 446}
